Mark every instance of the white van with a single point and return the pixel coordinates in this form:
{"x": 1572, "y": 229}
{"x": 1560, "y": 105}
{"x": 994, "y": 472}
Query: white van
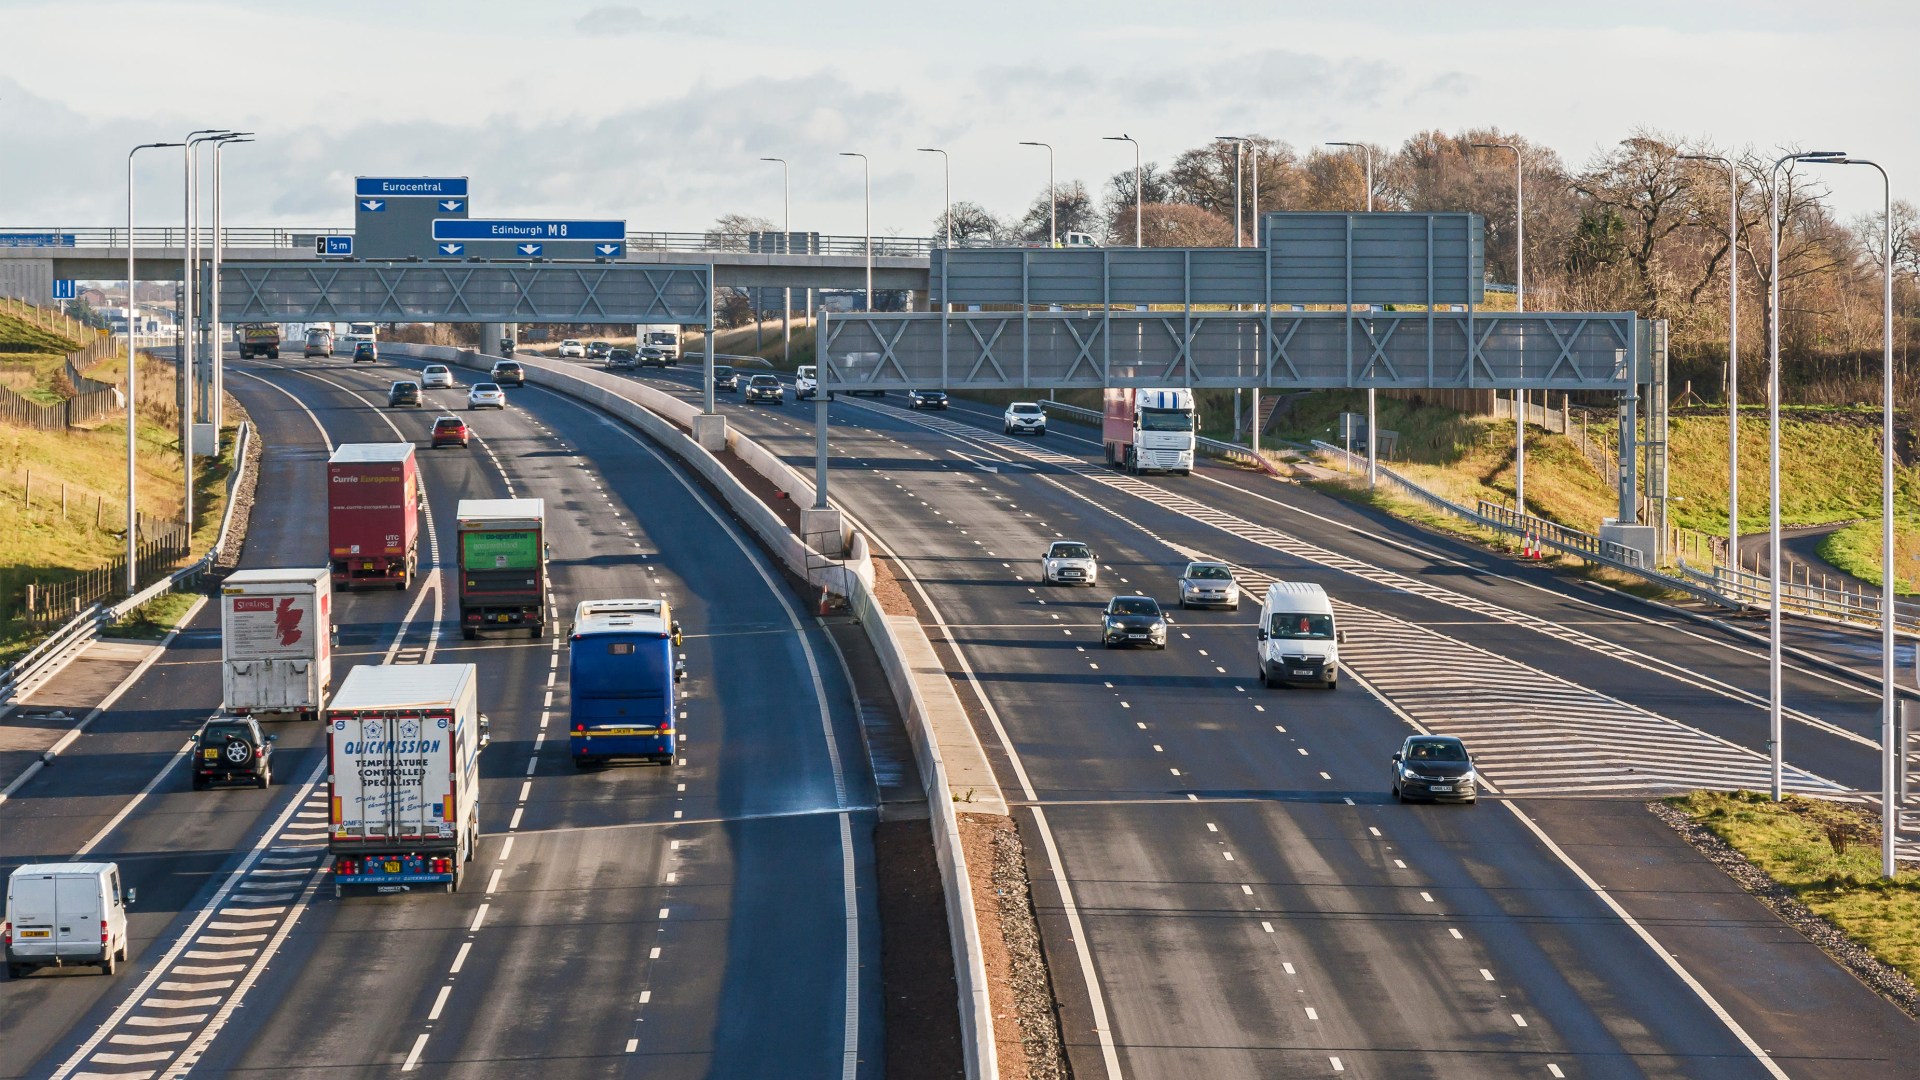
{"x": 1297, "y": 639}
{"x": 806, "y": 381}
{"x": 65, "y": 913}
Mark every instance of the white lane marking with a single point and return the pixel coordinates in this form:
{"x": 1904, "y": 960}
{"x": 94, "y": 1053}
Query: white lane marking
{"x": 479, "y": 917}
{"x": 1337, "y": 1067}
{"x": 1456, "y": 934}
{"x": 1487, "y": 975}
{"x": 413, "y": 1056}
{"x": 460, "y": 958}
{"x": 1554, "y": 1070}
{"x": 1518, "y": 1020}
{"x": 1311, "y": 1014}
{"x": 1672, "y": 962}
{"x": 493, "y": 881}
{"x": 1109, "y": 1054}
{"x": 440, "y": 1002}
{"x": 1428, "y": 897}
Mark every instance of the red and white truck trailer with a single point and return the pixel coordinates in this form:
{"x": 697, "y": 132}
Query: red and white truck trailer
{"x": 276, "y": 642}
{"x": 373, "y": 516}
{"x": 1150, "y": 430}
{"x": 403, "y": 757}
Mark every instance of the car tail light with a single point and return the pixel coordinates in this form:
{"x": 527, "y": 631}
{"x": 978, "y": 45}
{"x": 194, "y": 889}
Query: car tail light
{"x": 345, "y": 866}
{"x": 579, "y": 727}
{"x": 103, "y": 931}
{"x": 6, "y": 934}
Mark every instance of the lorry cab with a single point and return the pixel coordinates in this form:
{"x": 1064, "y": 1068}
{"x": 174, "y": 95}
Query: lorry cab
{"x": 61, "y": 914}
{"x": 622, "y": 672}
{"x": 1297, "y": 640}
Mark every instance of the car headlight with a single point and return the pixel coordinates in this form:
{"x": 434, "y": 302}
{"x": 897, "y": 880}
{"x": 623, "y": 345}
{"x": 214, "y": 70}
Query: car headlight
{"x": 1159, "y": 626}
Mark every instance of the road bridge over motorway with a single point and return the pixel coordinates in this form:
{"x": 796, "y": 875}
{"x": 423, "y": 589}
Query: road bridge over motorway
{"x": 32, "y": 258}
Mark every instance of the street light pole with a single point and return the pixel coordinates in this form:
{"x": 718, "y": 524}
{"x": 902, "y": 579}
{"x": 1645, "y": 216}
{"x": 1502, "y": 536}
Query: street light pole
{"x": 1775, "y": 732}
{"x": 1519, "y": 304}
{"x": 215, "y": 400}
{"x": 1140, "y": 195}
{"x": 188, "y": 324}
{"x": 1239, "y": 153}
{"x": 1733, "y": 351}
{"x": 1373, "y": 443}
{"x": 1892, "y": 754}
{"x": 1053, "y": 200}
{"x": 133, "y": 438}
{"x": 786, "y": 240}
{"x": 947, "y": 166}
{"x": 866, "y": 172}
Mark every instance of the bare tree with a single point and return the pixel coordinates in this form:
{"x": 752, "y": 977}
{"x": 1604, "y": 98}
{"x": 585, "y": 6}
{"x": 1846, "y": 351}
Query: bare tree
{"x": 973, "y": 225}
{"x": 1073, "y": 212}
{"x": 731, "y": 231}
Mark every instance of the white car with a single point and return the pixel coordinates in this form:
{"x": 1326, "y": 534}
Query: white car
{"x": 1068, "y": 562}
{"x": 806, "y": 382}
{"x": 436, "y": 377}
{"x": 1024, "y": 418}
{"x": 486, "y": 395}
{"x": 570, "y": 347}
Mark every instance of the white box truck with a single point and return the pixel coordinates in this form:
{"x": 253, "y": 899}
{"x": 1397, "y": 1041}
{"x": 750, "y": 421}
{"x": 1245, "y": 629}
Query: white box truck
{"x": 276, "y": 642}
{"x": 61, "y": 914}
{"x": 662, "y": 336}
{"x": 403, "y": 754}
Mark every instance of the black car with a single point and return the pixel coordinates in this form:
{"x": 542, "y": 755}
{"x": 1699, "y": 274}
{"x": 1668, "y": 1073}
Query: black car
{"x": 402, "y": 394}
{"x": 598, "y": 350}
{"x": 231, "y": 750}
{"x": 1134, "y": 620}
{"x": 620, "y": 359}
{"x": 766, "y": 388}
{"x": 509, "y": 373}
{"x": 652, "y": 356}
{"x": 1436, "y": 768}
{"x": 725, "y": 378}
{"x": 365, "y": 352}
{"x": 926, "y": 399}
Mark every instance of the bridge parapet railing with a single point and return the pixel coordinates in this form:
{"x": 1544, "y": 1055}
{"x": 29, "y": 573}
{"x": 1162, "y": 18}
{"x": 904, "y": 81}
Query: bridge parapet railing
{"x": 913, "y": 247}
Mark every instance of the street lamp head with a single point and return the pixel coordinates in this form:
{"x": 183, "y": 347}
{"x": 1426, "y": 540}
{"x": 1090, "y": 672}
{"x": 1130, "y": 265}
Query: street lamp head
{"x": 1116, "y": 138}
{"x": 849, "y": 153}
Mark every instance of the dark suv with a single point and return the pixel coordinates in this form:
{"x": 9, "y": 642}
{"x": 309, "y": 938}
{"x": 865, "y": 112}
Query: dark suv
{"x": 231, "y": 750}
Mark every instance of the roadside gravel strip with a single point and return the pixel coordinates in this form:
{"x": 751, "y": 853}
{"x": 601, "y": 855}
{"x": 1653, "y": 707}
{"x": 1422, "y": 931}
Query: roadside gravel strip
{"x": 1884, "y": 979}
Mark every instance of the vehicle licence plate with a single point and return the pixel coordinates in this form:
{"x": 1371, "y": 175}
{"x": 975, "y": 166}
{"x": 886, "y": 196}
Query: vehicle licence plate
{"x": 36, "y": 933}
{"x": 1443, "y": 787}
{"x": 1136, "y": 635}
{"x": 1303, "y": 671}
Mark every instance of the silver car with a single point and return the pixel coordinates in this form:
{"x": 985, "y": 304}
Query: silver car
{"x": 1209, "y": 584}
{"x": 436, "y": 377}
{"x": 486, "y": 395}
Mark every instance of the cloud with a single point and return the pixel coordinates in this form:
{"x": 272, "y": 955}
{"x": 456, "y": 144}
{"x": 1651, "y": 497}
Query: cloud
{"x": 620, "y": 19}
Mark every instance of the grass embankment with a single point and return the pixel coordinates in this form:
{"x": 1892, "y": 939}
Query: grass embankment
{"x": 740, "y": 341}
{"x": 84, "y": 469}
{"x": 1856, "y": 550}
{"x": 32, "y": 361}
{"x": 1827, "y": 855}
{"x": 154, "y": 619}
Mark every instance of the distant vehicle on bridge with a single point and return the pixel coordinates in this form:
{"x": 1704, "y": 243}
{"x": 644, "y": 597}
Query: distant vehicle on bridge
{"x": 257, "y": 340}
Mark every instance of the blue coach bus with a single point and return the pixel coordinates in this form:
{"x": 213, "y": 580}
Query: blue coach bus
{"x": 622, "y": 671}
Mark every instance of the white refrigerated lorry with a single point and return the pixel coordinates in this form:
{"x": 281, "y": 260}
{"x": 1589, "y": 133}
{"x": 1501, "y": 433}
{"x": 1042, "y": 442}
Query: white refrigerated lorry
{"x": 276, "y": 642}
{"x": 403, "y": 754}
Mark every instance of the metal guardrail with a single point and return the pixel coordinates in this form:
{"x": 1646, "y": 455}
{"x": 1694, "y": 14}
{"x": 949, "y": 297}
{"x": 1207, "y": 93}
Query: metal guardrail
{"x": 913, "y": 247}
{"x": 45, "y": 659}
{"x": 1548, "y": 534}
{"x": 1842, "y": 605}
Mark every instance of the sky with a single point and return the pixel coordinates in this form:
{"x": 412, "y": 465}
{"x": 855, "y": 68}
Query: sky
{"x": 658, "y": 113}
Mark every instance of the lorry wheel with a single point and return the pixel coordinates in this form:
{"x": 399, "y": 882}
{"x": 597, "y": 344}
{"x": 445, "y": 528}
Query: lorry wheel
{"x": 108, "y": 965}
{"x": 198, "y": 783}
{"x": 266, "y": 777}
{"x": 121, "y": 952}
{"x": 17, "y": 971}
{"x": 469, "y": 633}
{"x": 539, "y": 630}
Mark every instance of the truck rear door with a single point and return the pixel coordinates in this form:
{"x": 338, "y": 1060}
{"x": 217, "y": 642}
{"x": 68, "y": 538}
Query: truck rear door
{"x": 395, "y": 783}
{"x": 35, "y": 914}
{"x": 77, "y": 915}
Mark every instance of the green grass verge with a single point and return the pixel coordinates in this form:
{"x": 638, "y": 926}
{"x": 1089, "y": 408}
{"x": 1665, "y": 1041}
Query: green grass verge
{"x": 154, "y": 619}
{"x": 1828, "y": 855}
{"x": 1856, "y": 549}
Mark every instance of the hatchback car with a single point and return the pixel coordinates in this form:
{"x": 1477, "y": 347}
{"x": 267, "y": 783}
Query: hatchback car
{"x": 1024, "y": 418}
{"x": 654, "y": 356}
{"x": 620, "y": 359}
{"x": 1134, "y": 620}
{"x": 766, "y": 388}
{"x": 1434, "y": 767}
{"x": 508, "y": 373}
{"x": 926, "y": 399}
{"x": 403, "y": 394}
{"x": 436, "y": 377}
{"x": 598, "y": 350}
{"x": 449, "y": 431}
{"x": 486, "y": 395}
{"x": 725, "y": 378}
{"x": 1209, "y": 584}
{"x": 365, "y": 353}
{"x": 1068, "y": 562}
{"x": 232, "y": 750}
{"x": 572, "y": 348}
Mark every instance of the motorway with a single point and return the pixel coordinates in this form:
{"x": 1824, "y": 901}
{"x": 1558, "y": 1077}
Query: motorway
{"x": 1225, "y": 888}
{"x": 712, "y": 919}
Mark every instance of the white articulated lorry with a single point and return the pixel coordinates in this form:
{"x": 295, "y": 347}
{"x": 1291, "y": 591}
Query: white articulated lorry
{"x": 403, "y": 755}
{"x": 276, "y": 642}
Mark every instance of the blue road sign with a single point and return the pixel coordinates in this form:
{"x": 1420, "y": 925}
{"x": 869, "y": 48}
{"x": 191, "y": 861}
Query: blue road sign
{"x": 36, "y": 239}
{"x": 63, "y": 289}
{"x": 333, "y": 245}
{"x": 517, "y": 229}
{"x": 373, "y": 206}
{"x": 450, "y": 206}
{"x": 610, "y": 251}
{"x": 451, "y": 249}
{"x": 400, "y": 187}
{"x": 531, "y": 251}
